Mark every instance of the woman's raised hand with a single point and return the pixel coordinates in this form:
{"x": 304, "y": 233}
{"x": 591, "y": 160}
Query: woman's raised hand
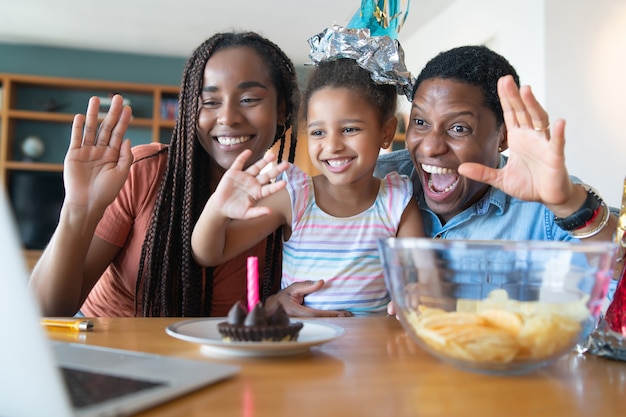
{"x": 98, "y": 159}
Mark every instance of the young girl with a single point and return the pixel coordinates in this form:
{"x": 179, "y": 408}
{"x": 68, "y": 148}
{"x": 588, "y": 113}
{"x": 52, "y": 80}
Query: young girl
{"x": 331, "y": 221}
{"x": 122, "y": 246}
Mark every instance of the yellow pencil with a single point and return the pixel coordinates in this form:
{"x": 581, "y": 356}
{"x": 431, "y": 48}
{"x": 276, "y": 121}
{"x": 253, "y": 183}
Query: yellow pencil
{"x": 79, "y": 325}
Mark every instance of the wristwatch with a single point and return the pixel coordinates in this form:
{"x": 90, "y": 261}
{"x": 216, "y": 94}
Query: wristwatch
{"x": 585, "y": 213}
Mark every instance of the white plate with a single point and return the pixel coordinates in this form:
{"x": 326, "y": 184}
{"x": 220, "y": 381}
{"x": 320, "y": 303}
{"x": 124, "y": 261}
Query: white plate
{"x": 204, "y": 332}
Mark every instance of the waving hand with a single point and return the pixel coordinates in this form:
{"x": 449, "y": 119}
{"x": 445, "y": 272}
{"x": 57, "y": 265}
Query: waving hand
{"x": 98, "y": 159}
{"x": 238, "y": 191}
{"x": 536, "y": 168}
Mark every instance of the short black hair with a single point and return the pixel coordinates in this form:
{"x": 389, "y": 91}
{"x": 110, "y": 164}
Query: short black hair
{"x": 475, "y": 65}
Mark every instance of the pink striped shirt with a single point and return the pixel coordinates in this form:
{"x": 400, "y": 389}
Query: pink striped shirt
{"x": 343, "y": 251}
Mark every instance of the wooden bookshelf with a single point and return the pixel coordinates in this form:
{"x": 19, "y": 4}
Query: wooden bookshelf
{"x": 45, "y": 107}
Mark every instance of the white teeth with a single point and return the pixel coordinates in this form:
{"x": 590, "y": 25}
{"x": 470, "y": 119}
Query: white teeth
{"x": 335, "y": 163}
{"x": 232, "y": 140}
{"x": 431, "y": 169}
{"x": 448, "y": 188}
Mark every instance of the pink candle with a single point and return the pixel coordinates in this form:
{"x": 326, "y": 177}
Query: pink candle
{"x": 253, "y": 282}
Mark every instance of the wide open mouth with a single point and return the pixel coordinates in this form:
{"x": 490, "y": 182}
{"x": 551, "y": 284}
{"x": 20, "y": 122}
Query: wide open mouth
{"x": 439, "y": 179}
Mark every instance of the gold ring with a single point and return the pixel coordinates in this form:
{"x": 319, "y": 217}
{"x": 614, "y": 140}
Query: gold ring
{"x": 541, "y": 129}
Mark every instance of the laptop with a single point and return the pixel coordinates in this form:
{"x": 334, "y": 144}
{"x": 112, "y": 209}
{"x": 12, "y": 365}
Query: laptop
{"x": 35, "y": 372}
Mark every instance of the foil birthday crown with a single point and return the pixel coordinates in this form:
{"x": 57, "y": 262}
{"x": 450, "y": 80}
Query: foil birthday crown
{"x": 382, "y": 56}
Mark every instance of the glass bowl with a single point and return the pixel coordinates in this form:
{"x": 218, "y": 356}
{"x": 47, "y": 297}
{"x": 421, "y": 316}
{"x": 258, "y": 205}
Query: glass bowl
{"x": 501, "y": 307}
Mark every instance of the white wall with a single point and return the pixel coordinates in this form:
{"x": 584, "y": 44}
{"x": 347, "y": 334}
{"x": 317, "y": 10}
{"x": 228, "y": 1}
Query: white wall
{"x": 572, "y": 53}
{"x": 586, "y": 85}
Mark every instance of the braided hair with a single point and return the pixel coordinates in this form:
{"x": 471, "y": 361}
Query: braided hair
{"x": 169, "y": 281}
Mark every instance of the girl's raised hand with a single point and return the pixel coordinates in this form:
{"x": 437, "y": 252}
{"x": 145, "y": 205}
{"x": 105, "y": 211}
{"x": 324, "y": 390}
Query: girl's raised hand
{"x": 98, "y": 159}
{"x": 239, "y": 191}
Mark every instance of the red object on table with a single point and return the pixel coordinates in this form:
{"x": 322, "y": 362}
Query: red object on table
{"x": 616, "y": 313}
{"x": 253, "y": 282}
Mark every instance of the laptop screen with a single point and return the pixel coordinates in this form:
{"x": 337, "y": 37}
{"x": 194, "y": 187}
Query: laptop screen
{"x": 88, "y": 388}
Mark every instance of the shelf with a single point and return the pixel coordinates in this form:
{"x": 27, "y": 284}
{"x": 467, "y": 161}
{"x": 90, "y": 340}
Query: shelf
{"x": 76, "y": 83}
{"x": 31, "y": 257}
{"x": 33, "y": 166}
{"x": 167, "y": 124}
{"x": 45, "y": 107}
{"x": 64, "y": 117}
{"x": 40, "y": 116}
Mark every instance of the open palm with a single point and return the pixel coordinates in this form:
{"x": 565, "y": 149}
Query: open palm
{"x": 536, "y": 169}
{"x": 98, "y": 159}
{"x": 239, "y": 191}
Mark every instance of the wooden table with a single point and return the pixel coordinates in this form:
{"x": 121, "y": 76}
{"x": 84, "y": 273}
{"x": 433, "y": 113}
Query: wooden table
{"x": 374, "y": 369}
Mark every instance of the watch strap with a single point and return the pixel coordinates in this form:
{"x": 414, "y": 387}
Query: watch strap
{"x": 585, "y": 213}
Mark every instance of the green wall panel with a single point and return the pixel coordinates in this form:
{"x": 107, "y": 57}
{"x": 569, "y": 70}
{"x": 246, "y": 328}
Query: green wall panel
{"x": 89, "y": 64}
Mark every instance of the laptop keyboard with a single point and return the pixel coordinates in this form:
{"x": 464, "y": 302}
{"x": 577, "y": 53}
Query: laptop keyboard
{"x": 89, "y": 388}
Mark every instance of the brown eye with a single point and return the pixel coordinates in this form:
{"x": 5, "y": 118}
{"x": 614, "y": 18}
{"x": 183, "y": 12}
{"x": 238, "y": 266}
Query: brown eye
{"x": 461, "y": 129}
{"x": 418, "y": 123}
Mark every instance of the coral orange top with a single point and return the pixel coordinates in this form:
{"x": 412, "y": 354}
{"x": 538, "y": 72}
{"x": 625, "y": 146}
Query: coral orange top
{"x": 124, "y": 224}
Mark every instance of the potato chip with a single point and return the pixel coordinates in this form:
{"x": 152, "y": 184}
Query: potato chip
{"x": 497, "y": 300}
{"x": 494, "y": 347}
{"x": 503, "y": 319}
{"x": 450, "y": 319}
{"x": 500, "y": 330}
{"x": 544, "y": 335}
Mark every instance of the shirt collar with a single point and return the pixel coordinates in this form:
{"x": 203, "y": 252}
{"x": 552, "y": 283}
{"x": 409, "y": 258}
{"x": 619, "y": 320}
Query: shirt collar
{"x": 493, "y": 196}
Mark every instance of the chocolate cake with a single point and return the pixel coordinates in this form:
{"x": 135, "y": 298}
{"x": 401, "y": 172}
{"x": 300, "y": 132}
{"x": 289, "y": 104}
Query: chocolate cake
{"x": 258, "y": 325}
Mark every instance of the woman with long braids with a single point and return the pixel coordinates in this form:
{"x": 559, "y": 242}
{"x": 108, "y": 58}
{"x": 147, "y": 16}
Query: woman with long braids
{"x": 123, "y": 243}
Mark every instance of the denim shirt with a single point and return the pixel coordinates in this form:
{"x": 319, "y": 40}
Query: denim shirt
{"x": 495, "y": 216}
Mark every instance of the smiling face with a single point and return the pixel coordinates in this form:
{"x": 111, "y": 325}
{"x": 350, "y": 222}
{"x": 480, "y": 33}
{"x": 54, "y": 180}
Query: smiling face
{"x": 449, "y": 124}
{"x": 238, "y": 106}
{"x": 345, "y": 135}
